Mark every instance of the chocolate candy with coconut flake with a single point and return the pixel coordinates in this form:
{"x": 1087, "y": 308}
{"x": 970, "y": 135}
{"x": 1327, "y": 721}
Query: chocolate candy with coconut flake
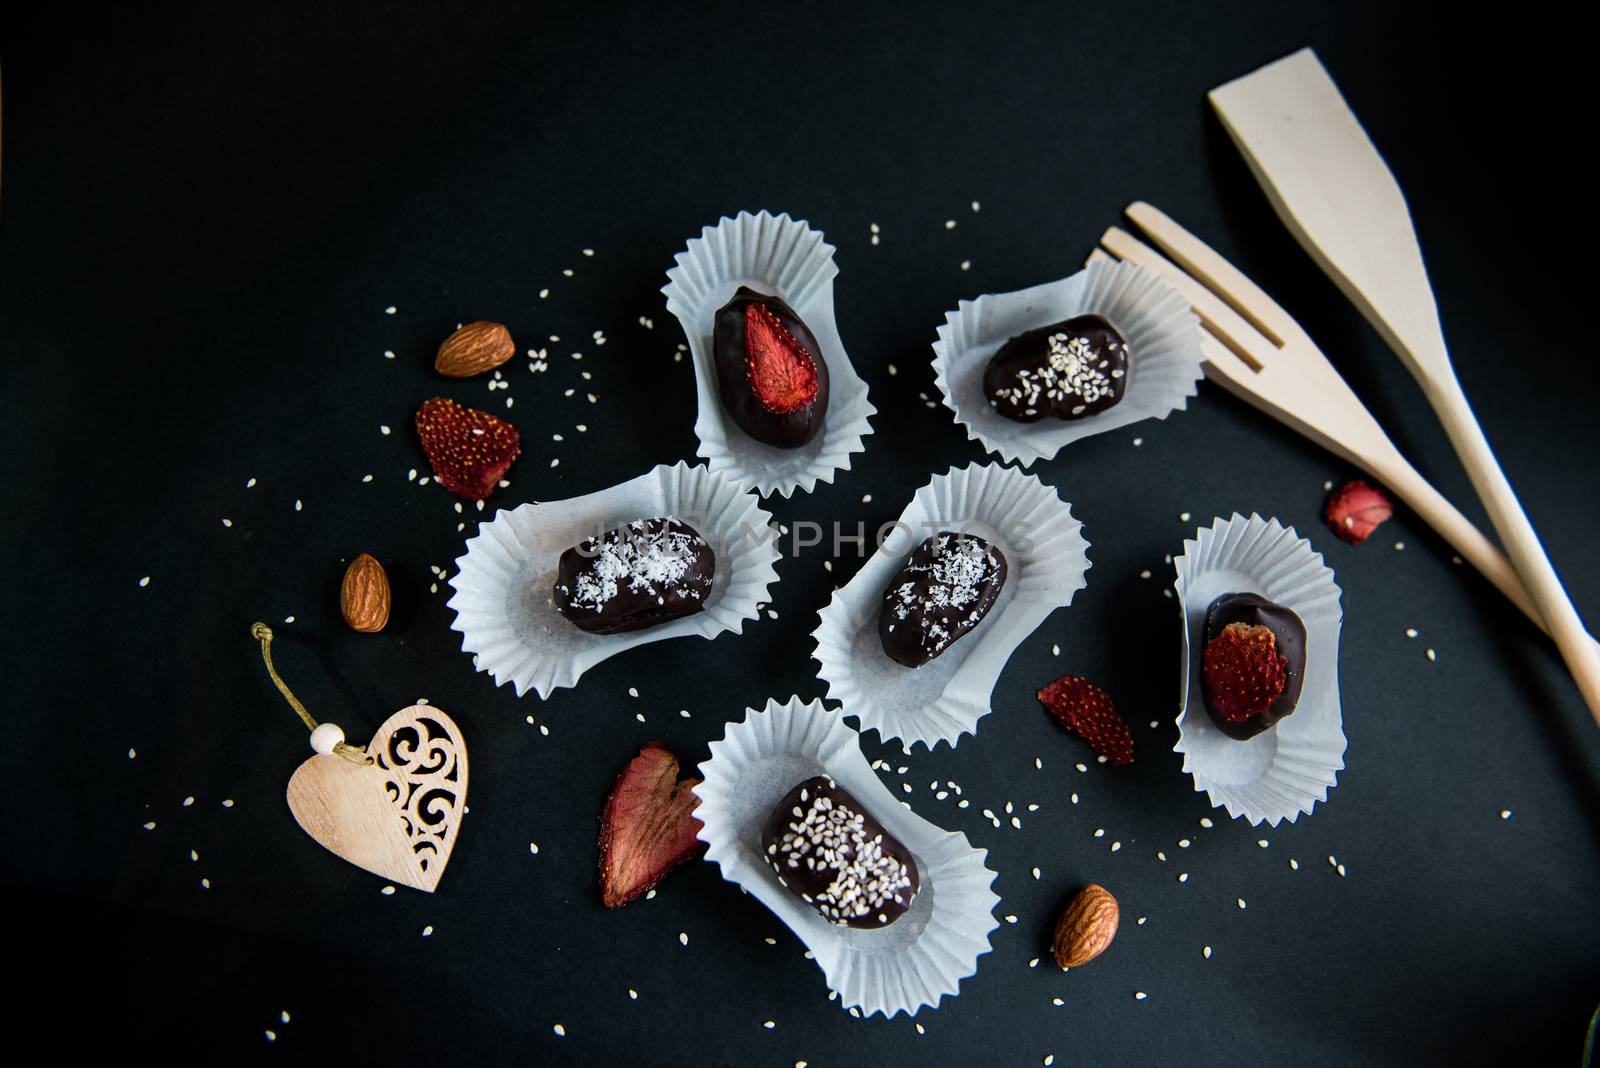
{"x": 770, "y": 371}
{"x": 1071, "y": 370}
{"x": 945, "y": 589}
{"x": 827, "y": 849}
{"x": 639, "y": 575}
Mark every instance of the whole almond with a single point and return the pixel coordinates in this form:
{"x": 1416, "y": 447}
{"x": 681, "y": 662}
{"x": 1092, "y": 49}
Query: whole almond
{"x": 364, "y": 595}
{"x": 474, "y": 349}
{"x": 1086, "y": 928}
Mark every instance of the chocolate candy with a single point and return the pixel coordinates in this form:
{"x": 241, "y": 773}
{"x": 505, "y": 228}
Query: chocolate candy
{"x": 1071, "y": 370}
{"x": 945, "y": 590}
{"x": 647, "y": 572}
{"x": 770, "y": 371}
{"x": 829, "y": 850}
{"x": 1288, "y": 642}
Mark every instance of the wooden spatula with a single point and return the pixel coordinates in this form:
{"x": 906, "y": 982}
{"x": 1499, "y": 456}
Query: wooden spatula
{"x": 1336, "y": 195}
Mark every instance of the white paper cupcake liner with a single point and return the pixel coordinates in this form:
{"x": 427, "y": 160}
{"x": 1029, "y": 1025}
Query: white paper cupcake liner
{"x": 1164, "y": 355}
{"x": 1285, "y": 770}
{"x": 786, "y": 258}
{"x": 923, "y": 955}
{"x": 504, "y": 609}
{"x": 1046, "y": 558}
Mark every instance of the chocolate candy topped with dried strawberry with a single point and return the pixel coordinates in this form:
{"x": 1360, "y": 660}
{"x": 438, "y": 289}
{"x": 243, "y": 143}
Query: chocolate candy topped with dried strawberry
{"x": 1071, "y": 370}
{"x": 639, "y": 575}
{"x": 945, "y": 589}
{"x": 1254, "y": 663}
{"x": 830, "y": 851}
{"x": 770, "y": 371}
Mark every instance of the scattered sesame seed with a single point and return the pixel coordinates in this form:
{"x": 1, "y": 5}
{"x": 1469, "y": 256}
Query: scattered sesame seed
{"x": 976, "y": 207}
{"x": 227, "y": 522}
{"x": 144, "y": 582}
{"x": 683, "y": 938}
{"x": 1057, "y": 1001}
{"x": 1294, "y": 865}
{"x": 1399, "y": 546}
{"x": 1262, "y": 842}
{"x": 205, "y": 884}
{"x": 150, "y": 826}
{"x": 1034, "y": 963}
{"x": 1074, "y": 798}
{"x": 1505, "y": 813}
{"x": 188, "y": 801}
{"x": 427, "y": 932}
{"x": 387, "y": 891}
{"x": 1139, "y": 995}
{"x": 966, "y": 265}
{"x": 1161, "y": 856}
{"x": 1055, "y": 650}
{"x": 1183, "y": 517}
{"x": 1206, "y": 952}
{"x": 533, "y": 848}
{"x": 1411, "y": 632}
{"x": 1205, "y": 821}
{"x": 1138, "y": 441}
{"x": 1183, "y": 843}
{"x": 559, "y": 1030}
{"x": 1341, "y": 871}
{"x": 769, "y": 1024}
{"x": 389, "y": 310}
{"x": 874, "y": 228}
{"x": 949, "y": 224}
{"x": 1432, "y": 656}
{"x": 298, "y": 506}
{"x": 1241, "y": 902}
{"x": 1036, "y": 873}
{"x": 1099, "y": 832}
{"x": 1115, "y": 846}
{"x": 227, "y": 802}
{"x": 1081, "y": 767}
{"x": 272, "y": 1036}
{"x": 368, "y": 478}
{"x": 1184, "y": 877}
{"x": 566, "y": 272}
{"x": 1038, "y": 763}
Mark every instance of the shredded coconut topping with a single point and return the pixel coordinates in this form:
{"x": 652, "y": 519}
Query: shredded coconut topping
{"x": 957, "y": 574}
{"x": 646, "y": 556}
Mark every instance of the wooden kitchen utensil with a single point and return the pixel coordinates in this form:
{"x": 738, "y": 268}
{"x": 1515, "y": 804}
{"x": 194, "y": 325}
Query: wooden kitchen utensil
{"x": 1337, "y": 196}
{"x": 1258, "y": 353}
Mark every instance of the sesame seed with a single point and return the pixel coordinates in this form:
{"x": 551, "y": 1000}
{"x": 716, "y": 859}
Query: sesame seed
{"x": 297, "y": 505}
{"x": 366, "y": 478}
{"x": 387, "y": 891}
{"x": 1036, "y": 873}
{"x": 389, "y": 310}
{"x": 769, "y": 1024}
{"x": 1241, "y": 902}
{"x": 1055, "y": 650}
{"x": 893, "y": 370}
{"x": 1183, "y": 517}
{"x": 683, "y": 938}
{"x": 144, "y": 582}
{"x": 1183, "y": 843}
{"x": 1099, "y": 832}
{"x": 1206, "y": 952}
{"x": 272, "y": 1036}
{"x": 384, "y": 430}
{"x": 1038, "y": 763}
{"x": 1432, "y": 656}
{"x": 1262, "y": 842}
{"x": 1399, "y": 546}
{"x": 1115, "y": 846}
{"x": 633, "y": 691}
{"x": 1184, "y": 877}
{"x": 188, "y": 801}
{"x": 1081, "y": 767}
{"x": 1034, "y": 963}
{"x": 1139, "y": 995}
{"x": 427, "y": 932}
{"x": 966, "y": 265}
{"x": 227, "y": 522}
{"x": 559, "y": 1030}
{"x": 1294, "y": 865}
{"x": 1505, "y": 813}
{"x": 1138, "y": 441}
{"x": 533, "y": 848}
{"x": 1057, "y": 1001}
{"x": 976, "y": 207}
{"x": 866, "y": 498}
{"x": 1205, "y": 821}
{"x": 949, "y": 224}
{"x": 150, "y": 826}
{"x": 1411, "y": 632}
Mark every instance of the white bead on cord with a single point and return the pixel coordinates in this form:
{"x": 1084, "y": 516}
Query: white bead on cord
{"x": 326, "y": 737}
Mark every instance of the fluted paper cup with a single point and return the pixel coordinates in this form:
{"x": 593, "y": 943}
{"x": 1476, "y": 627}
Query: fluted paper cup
{"x": 910, "y": 964}
{"x": 783, "y": 257}
{"x": 1164, "y": 355}
{"x": 1285, "y": 770}
{"x": 1046, "y": 560}
{"x": 503, "y": 602}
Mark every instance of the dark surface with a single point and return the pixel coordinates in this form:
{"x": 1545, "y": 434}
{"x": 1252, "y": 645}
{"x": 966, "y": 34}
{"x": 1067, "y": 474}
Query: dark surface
{"x": 204, "y": 217}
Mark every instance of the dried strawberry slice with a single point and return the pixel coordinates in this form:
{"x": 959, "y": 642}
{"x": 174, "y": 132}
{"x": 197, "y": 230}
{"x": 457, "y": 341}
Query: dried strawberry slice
{"x": 1086, "y": 710}
{"x": 1243, "y": 671}
{"x": 470, "y": 451}
{"x": 781, "y": 372}
{"x": 1355, "y": 509}
{"x": 648, "y": 827}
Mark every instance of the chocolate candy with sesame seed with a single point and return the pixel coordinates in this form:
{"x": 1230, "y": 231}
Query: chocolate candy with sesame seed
{"x": 1071, "y": 370}
{"x": 946, "y": 588}
{"x": 639, "y": 575}
{"x": 1289, "y": 641}
{"x": 827, "y": 849}
{"x": 770, "y": 370}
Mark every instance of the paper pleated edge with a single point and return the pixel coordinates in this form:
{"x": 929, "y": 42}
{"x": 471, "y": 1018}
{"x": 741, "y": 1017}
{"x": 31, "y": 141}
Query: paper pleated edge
{"x": 945, "y": 952}
{"x": 494, "y": 557}
{"x": 1304, "y": 773}
{"x": 1058, "y": 567}
{"x": 789, "y": 256}
{"x": 1092, "y": 288}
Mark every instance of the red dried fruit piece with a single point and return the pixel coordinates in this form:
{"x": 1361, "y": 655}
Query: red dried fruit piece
{"x": 470, "y": 451}
{"x": 648, "y": 827}
{"x": 1243, "y": 671}
{"x": 781, "y": 371}
{"x": 1355, "y": 509}
{"x": 1086, "y": 710}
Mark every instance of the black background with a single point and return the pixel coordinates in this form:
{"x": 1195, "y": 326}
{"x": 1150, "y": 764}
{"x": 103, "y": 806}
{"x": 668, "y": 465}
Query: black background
{"x": 204, "y": 216}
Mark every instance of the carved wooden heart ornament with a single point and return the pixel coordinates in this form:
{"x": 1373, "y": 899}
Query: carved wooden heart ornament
{"x": 397, "y": 817}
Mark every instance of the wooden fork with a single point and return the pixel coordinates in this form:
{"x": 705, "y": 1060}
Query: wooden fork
{"x": 1258, "y": 353}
